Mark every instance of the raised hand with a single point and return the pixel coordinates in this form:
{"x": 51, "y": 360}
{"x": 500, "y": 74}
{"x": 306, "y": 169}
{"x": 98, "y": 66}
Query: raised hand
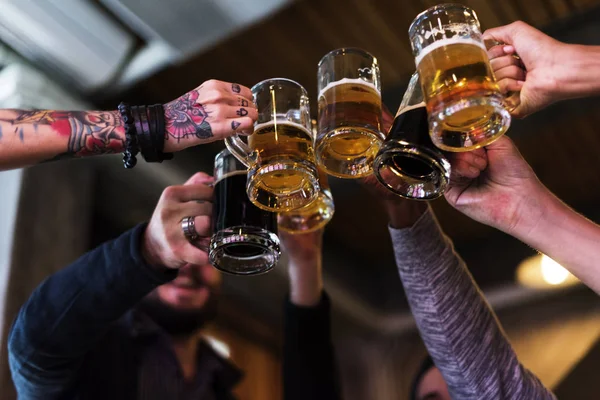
{"x": 164, "y": 243}
{"x": 212, "y": 111}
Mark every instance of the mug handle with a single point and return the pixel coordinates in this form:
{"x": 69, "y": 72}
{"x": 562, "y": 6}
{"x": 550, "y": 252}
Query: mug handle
{"x": 240, "y": 150}
{"x": 512, "y": 100}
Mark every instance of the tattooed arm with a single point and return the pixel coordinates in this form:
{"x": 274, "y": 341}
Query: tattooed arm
{"x": 210, "y": 112}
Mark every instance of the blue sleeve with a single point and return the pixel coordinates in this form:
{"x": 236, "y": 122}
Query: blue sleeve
{"x": 71, "y": 311}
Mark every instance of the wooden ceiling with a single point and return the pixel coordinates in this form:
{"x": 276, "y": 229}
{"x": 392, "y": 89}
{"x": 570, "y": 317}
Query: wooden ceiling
{"x": 562, "y": 143}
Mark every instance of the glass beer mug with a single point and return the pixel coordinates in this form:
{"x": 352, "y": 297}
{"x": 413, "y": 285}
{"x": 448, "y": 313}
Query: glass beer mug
{"x": 349, "y": 133}
{"x": 409, "y": 164}
{"x": 314, "y": 215}
{"x": 282, "y": 175}
{"x": 245, "y": 239}
{"x": 465, "y": 106}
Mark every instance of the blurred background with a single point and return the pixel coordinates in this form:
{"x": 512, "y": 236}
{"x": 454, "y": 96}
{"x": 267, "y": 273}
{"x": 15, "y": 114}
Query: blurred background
{"x": 86, "y": 54}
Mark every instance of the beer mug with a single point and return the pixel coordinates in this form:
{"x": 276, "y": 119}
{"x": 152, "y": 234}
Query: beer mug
{"x": 282, "y": 175}
{"x": 465, "y": 106}
{"x": 409, "y": 164}
{"x": 244, "y": 240}
{"x": 349, "y": 133}
{"x": 314, "y": 215}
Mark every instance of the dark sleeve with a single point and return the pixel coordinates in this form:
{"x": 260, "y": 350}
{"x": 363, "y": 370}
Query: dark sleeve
{"x": 71, "y": 310}
{"x": 308, "y": 357}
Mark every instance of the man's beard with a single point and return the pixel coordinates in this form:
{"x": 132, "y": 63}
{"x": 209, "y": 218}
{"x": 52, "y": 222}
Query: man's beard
{"x": 178, "y": 322}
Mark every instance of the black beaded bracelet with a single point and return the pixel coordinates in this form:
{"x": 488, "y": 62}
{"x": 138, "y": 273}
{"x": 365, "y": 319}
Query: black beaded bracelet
{"x": 131, "y": 142}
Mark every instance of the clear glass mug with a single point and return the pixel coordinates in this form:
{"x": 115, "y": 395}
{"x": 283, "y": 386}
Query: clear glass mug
{"x": 244, "y": 240}
{"x": 350, "y": 131}
{"x": 465, "y": 106}
{"x": 314, "y": 215}
{"x": 409, "y": 164}
{"x": 282, "y": 174}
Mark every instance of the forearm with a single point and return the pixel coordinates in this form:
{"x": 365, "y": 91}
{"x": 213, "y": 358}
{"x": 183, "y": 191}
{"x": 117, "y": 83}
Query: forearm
{"x": 578, "y": 73}
{"x": 565, "y": 236}
{"x": 32, "y": 137}
{"x": 70, "y": 311}
{"x": 306, "y": 283}
{"x": 456, "y": 323}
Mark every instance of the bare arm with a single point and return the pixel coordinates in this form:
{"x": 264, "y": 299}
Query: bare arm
{"x": 212, "y": 111}
{"x": 565, "y": 236}
{"x": 31, "y": 137}
{"x": 497, "y": 187}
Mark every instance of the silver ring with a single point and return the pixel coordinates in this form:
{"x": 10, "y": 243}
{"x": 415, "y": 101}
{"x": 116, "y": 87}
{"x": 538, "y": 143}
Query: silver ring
{"x": 189, "y": 229}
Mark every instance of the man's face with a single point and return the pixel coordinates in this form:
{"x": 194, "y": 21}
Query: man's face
{"x": 433, "y": 386}
{"x": 184, "y": 305}
{"x": 192, "y": 288}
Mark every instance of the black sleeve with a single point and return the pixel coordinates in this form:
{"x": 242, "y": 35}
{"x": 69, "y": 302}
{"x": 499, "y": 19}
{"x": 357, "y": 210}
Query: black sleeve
{"x": 71, "y": 310}
{"x": 308, "y": 357}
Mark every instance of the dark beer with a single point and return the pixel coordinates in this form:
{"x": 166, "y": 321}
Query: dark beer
{"x": 232, "y": 209}
{"x": 412, "y": 126}
{"x": 244, "y": 240}
{"x": 409, "y": 164}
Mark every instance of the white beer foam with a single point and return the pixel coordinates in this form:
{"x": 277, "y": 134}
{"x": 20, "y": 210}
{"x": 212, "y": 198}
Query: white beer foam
{"x": 448, "y": 42}
{"x": 280, "y": 122}
{"x": 410, "y": 108}
{"x": 346, "y": 81}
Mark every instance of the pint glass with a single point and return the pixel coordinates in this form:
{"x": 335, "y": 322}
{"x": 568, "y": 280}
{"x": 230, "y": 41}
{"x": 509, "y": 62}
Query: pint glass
{"x": 409, "y": 164}
{"x": 244, "y": 240}
{"x": 465, "y": 106}
{"x": 282, "y": 175}
{"x": 349, "y": 133}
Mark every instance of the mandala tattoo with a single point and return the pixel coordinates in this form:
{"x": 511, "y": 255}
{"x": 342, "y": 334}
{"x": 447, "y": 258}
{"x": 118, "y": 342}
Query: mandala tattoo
{"x": 187, "y": 119}
{"x": 236, "y": 88}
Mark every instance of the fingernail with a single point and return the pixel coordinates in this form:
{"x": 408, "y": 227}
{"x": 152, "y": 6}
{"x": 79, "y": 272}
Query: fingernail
{"x": 508, "y": 49}
{"x": 246, "y": 132}
{"x": 473, "y": 170}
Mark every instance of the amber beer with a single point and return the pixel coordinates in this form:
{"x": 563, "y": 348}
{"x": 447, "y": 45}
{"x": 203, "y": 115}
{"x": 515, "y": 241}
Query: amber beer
{"x": 452, "y": 70}
{"x": 349, "y": 133}
{"x": 466, "y": 108}
{"x": 313, "y": 216}
{"x": 274, "y": 141}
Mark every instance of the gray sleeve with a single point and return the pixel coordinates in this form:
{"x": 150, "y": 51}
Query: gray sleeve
{"x": 460, "y": 330}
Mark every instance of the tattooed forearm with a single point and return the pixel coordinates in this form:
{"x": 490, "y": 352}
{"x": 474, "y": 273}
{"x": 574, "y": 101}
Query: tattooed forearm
{"x": 185, "y": 118}
{"x": 88, "y": 133}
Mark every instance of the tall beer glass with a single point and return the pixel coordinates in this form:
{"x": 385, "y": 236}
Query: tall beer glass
{"x": 349, "y": 134}
{"x": 409, "y": 164}
{"x": 313, "y": 216}
{"x": 465, "y": 106}
{"x": 282, "y": 175}
{"x": 245, "y": 239}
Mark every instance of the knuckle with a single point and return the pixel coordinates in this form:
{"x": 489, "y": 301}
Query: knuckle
{"x": 170, "y": 192}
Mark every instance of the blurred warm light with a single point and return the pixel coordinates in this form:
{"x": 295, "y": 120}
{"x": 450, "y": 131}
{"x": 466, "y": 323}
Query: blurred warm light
{"x": 542, "y": 272}
{"x": 552, "y": 272}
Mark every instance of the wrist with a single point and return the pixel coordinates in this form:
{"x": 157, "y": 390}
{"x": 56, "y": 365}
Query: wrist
{"x": 150, "y": 253}
{"x": 576, "y": 71}
{"x": 306, "y": 283}
{"x": 404, "y": 213}
{"x": 533, "y": 214}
